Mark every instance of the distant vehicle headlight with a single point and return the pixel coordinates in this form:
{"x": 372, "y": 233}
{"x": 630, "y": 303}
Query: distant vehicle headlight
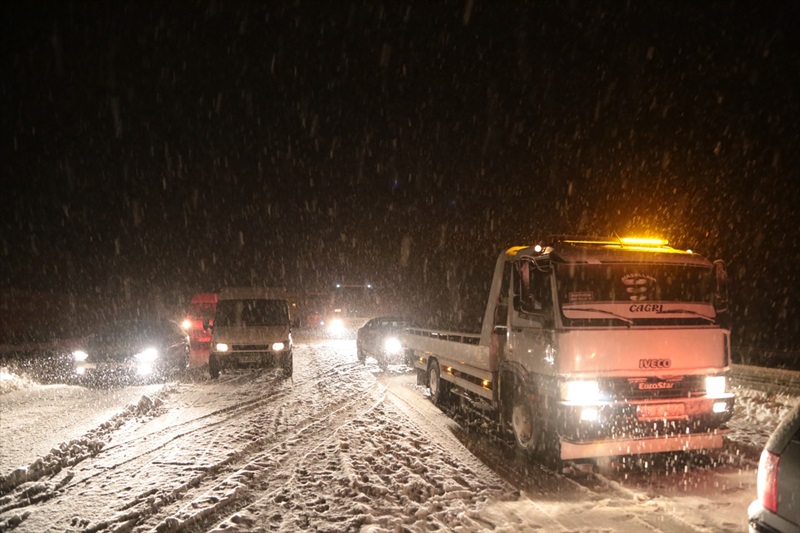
{"x": 147, "y": 356}
{"x": 392, "y": 345}
{"x": 221, "y": 347}
{"x": 80, "y": 355}
{"x": 278, "y": 346}
{"x": 581, "y": 391}
{"x": 715, "y": 385}
{"x": 186, "y": 324}
{"x": 336, "y": 326}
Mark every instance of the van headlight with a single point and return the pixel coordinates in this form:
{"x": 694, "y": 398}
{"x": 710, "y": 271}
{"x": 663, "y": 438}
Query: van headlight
{"x": 221, "y": 347}
{"x": 278, "y": 346}
{"x": 715, "y": 386}
{"x": 581, "y": 392}
{"x": 147, "y": 356}
{"x": 80, "y": 355}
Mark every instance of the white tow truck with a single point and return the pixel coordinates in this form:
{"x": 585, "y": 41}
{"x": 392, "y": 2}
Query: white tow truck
{"x": 592, "y": 347}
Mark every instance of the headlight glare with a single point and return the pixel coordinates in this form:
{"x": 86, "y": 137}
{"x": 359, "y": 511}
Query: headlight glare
{"x": 221, "y": 347}
{"x": 147, "y": 356}
{"x": 392, "y": 345}
{"x": 581, "y": 391}
{"x": 336, "y": 326}
{"x": 715, "y": 385}
{"x": 80, "y": 355}
{"x": 278, "y": 346}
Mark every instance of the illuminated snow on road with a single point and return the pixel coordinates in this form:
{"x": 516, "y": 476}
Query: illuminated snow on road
{"x": 340, "y": 447}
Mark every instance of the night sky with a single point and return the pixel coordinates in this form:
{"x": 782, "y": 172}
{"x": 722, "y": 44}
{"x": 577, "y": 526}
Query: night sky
{"x": 176, "y": 147}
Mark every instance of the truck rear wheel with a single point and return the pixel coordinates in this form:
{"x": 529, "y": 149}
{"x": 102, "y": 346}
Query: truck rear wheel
{"x": 440, "y": 389}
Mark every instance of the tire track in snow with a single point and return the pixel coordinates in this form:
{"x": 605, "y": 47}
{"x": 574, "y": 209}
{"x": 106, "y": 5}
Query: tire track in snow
{"x": 169, "y": 453}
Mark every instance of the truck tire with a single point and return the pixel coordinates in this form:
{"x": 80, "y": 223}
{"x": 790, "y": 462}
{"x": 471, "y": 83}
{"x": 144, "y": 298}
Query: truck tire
{"x": 213, "y": 366}
{"x": 523, "y": 423}
{"x": 440, "y": 389}
{"x": 533, "y": 437}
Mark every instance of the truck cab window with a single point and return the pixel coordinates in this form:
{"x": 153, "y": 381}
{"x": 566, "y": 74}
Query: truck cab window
{"x": 533, "y": 293}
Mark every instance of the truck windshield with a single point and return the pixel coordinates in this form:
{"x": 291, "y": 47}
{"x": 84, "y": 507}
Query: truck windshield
{"x": 642, "y": 292}
{"x": 256, "y": 312}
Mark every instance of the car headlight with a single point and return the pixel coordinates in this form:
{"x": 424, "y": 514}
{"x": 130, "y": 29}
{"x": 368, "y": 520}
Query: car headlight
{"x": 392, "y": 345}
{"x": 147, "y": 356}
{"x": 80, "y": 355}
{"x": 715, "y": 385}
{"x": 278, "y": 346}
{"x": 221, "y": 347}
{"x": 186, "y": 324}
{"x": 581, "y": 392}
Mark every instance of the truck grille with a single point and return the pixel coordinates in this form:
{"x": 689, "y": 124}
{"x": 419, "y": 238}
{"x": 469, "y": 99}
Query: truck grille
{"x": 632, "y": 389}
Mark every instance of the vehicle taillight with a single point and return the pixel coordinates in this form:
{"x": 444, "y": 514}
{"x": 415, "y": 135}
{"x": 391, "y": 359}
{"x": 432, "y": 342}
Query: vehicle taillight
{"x": 767, "y": 481}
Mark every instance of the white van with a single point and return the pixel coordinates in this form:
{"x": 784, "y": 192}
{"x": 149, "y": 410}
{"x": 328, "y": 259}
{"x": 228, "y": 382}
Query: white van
{"x": 251, "y": 328}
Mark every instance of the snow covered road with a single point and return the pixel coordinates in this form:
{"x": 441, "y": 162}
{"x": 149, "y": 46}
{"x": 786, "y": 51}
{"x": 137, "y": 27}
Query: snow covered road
{"x": 340, "y": 447}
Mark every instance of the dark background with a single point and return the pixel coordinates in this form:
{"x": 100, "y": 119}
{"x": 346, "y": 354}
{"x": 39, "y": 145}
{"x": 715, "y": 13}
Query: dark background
{"x": 151, "y": 150}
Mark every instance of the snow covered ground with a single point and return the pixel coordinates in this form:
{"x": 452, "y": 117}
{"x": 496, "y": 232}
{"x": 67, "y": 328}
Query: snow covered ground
{"x": 340, "y": 447}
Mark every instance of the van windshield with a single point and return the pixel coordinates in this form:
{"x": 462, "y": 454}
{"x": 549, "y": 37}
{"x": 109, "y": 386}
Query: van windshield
{"x": 256, "y": 312}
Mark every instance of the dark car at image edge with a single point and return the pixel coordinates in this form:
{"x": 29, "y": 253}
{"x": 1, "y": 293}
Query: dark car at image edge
{"x": 777, "y": 508}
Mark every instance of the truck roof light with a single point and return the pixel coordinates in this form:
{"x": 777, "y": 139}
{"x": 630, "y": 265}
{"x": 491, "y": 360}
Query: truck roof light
{"x": 643, "y": 241}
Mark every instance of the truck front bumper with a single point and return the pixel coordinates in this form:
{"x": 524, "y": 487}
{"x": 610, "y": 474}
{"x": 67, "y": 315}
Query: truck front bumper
{"x": 643, "y": 427}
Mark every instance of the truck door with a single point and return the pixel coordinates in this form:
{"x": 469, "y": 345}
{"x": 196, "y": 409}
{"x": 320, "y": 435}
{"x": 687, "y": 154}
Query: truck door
{"x": 500, "y": 325}
{"x": 532, "y": 318}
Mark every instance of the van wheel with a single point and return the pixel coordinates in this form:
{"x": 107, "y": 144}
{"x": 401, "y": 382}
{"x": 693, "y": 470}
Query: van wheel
{"x": 287, "y": 366}
{"x": 362, "y": 357}
{"x": 213, "y": 366}
{"x": 440, "y": 389}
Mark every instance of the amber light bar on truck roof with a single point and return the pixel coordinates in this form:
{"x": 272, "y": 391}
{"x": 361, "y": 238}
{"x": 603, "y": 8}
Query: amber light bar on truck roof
{"x": 644, "y": 243}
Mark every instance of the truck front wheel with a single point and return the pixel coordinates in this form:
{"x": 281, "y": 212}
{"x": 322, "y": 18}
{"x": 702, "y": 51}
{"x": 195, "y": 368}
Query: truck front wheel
{"x": 440, "y": 389}
{"x": 522, "y": 423}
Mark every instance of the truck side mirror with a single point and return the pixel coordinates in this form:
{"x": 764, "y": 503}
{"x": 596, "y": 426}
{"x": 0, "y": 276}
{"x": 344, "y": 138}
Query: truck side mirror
{"x": 721, "y": 293}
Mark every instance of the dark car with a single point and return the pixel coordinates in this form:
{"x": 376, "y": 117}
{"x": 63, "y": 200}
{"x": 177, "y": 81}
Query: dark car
{"x": 379, "y": 338}
{"x": 133, "y": 351}
{"x": 777, "y": 508}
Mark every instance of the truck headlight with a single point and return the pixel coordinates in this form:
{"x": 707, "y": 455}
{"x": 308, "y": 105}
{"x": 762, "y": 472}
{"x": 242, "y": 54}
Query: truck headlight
{"x": 186, "y": 324}
{"x": 221, "y": 347}
{"x": 336, "y": 326}
{"x": 392, "y": 345}
{"x": 715, "y": 386}
{"x": 278, "y": 346}
{"x": 80, "y": 355}
{"x": 147, "y": 356}
{"x": 581, "y": 392}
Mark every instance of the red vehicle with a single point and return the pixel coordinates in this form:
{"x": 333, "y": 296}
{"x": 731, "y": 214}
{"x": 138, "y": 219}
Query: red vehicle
{"x": 201, "y": 312}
